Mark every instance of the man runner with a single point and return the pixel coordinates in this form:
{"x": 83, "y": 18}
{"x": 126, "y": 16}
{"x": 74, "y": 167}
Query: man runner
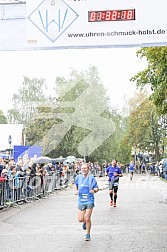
{"x": 131, "y": 169}
{"x": 113, "y": 172}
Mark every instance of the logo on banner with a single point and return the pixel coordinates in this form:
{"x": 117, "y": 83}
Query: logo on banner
{"x": 53, "y": 18}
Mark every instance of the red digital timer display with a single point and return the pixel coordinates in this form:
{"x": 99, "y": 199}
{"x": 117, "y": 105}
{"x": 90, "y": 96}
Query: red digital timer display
{"x": 111, "y": 15}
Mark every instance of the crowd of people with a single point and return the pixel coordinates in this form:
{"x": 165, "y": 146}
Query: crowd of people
{"x": 28, "y": 168}
{"x": 26, "y": 179}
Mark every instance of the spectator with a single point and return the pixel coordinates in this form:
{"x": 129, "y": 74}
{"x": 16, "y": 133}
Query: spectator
{"x": 143, "y": 168}
{"x": 7, "y": 193}
{"x": 14, "y": 183}
{"x": 165, "y": 169}
{"x": 65, "y": 173}
{"x": 41, "y": 172}
{"x": 50, "y": 168}
{"x": 157, "y": 168}
{"x": 161, "y": 170}
{"x": 1, "y": 165}
{"x": 2, "y": 184}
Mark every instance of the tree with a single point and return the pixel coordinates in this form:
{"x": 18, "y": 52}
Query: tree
{"x": 117, "y": 146}
{"x": 80, "y": 122}
{"x": 3, "y": 119}
{"x": 145, "y": 130}
{"x": 73, "y": 125}
{"x": 26, "y": 101}
{"x": 155, "y": 76}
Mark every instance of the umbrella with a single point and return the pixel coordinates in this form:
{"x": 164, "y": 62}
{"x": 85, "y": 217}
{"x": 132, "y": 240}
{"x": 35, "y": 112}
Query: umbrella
{"x": 70, "y": 159}
{"x": 42, "y": 160}
{"x": 80, "y": 159}
{"x": 58, "y": 160}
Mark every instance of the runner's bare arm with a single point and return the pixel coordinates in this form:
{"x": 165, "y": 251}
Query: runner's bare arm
{"x": 76, "y": 190}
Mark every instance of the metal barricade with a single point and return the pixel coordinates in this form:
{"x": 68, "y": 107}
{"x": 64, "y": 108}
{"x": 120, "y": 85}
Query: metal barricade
{"x": 2, "y": 192}
{"x": 17, "y": 190}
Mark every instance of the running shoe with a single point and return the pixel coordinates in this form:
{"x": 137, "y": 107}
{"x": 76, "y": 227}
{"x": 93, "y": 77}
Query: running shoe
{"x": 111, "y": 203}
{"x": 115, "y": 204}
{"x": 87, "y": 237}
{"x": 84, "y": 226}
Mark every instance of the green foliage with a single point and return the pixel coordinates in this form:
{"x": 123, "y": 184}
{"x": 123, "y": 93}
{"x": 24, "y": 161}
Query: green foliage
{"x": 145, "y": 131}
{"x": 155, "y": 76}
{"x": 117, "y": 145}
{"x": 27, "y": 100}
{"x": 3, "y": 119}
{"x": 71, "y": 90}
{"x": 84, "y": 92}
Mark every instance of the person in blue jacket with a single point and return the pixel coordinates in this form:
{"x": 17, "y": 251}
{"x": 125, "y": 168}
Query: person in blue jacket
{"x": 113, "y": 172}
{"x": 86, "y": 187}
{"x": 131, "y": 169}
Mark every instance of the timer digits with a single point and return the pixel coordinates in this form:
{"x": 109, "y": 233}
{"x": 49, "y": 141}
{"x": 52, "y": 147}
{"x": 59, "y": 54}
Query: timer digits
{"x": 111, "y": 15}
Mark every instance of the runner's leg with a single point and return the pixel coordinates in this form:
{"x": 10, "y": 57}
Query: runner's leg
{"x": 81, "y": 215}
{"x": 87, "y": 218}
{"x": 111, "y": 193}
{"x": 115, "y": 194}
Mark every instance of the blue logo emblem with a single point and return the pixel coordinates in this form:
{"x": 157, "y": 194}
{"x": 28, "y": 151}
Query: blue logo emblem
{"x": 53, "y": 18}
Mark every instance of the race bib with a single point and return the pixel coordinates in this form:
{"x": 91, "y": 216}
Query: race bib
{"x": 84, "y": 197}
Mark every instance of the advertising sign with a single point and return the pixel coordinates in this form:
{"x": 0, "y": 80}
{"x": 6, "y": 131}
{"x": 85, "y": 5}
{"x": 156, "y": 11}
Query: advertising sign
{"x": 19, "y": 151}
{"x": 95, "y": 23}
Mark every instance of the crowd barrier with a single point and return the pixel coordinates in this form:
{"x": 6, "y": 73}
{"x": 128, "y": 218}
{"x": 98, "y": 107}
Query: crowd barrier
{"x": 26, "y": 189}
{"x": 19, "y": 190}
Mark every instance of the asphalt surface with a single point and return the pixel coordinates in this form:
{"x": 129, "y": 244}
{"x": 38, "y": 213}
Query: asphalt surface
{"x": 138, "y": 223}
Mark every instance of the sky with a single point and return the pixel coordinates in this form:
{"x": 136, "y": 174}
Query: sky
{"x": 115, "y": 65}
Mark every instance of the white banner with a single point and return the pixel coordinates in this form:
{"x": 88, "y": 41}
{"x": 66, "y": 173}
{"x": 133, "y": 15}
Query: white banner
{"x": 95, "y": 23}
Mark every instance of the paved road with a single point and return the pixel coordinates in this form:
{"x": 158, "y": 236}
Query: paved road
{"x": 138, "y": 223}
